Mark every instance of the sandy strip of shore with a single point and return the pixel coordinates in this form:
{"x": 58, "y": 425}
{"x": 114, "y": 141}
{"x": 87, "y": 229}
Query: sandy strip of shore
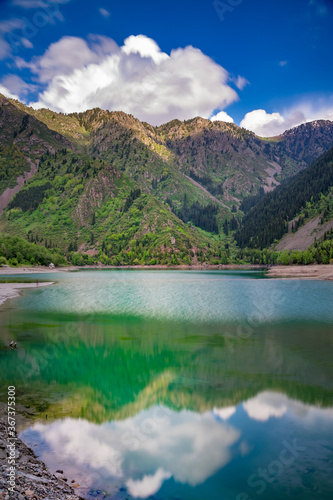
{"x": 11, "y": 290}
{"x": 311, "y": 272}
{"x": 4, "y": 271}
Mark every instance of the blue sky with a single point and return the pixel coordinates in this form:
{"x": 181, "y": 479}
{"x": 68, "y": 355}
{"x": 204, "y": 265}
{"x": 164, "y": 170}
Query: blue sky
{"x": 267, "y": 64}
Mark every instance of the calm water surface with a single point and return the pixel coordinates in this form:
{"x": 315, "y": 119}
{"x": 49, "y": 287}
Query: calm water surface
{"x": 176, "y": 384}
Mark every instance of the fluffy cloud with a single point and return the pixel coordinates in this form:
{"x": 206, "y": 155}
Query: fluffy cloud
{"x": 137, "y": 78}
{"x": 222, "y": 116}
{"x": 262, "y": 123}
{"x": 145, "y": 47}
{"x": 271, "y": 124}
{"x": 66, "y": 56}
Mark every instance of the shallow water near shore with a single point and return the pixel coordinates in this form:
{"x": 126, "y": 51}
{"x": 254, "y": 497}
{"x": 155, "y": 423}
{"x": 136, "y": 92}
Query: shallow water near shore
{"x": 176, "y": 384}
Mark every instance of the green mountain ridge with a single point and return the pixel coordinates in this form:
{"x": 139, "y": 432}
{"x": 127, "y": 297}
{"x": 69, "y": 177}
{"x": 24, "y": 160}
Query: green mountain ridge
{"x": 76, "y": 203}
{"x": 228, "y": 161}
{"x": 124, "y": 192}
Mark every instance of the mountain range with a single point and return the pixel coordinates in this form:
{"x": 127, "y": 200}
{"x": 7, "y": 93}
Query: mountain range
{"x": 121, "y": 191}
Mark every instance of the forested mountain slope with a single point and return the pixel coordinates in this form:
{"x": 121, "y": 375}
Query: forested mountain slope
{"x": 269, "y": 219}
{"x": 23, "y": 139}
{"x": 77, "y": 203}
{"x": 105, "y": 180}
{"x": 229, "y": 162}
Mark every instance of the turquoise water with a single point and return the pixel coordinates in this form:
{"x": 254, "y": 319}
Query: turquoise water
{"x": 177, "y": 384}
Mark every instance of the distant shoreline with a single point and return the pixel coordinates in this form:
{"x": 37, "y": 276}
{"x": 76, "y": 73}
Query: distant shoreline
{"x": 311, "y": 271}
{"x": 44, "y": 269}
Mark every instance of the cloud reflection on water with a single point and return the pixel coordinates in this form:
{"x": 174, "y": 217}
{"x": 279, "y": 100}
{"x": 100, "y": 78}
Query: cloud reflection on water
{"x": 268, "y": 404}
{"x": 144, "y": 451}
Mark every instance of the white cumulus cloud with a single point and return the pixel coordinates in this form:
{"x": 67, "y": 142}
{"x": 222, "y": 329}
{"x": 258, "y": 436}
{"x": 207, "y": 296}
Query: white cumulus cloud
{"x": 137, "y": 78}
{"x": 272, "y": 124}
{"x": 222, "y": 116}
{"x": 70, "y": 53}
{"x": 263, "y": 123}
{"x": 145, "y": 47}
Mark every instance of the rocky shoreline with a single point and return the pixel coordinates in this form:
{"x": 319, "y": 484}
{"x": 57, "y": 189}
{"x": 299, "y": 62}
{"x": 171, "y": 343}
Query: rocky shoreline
{"x": 33, "y": 481}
